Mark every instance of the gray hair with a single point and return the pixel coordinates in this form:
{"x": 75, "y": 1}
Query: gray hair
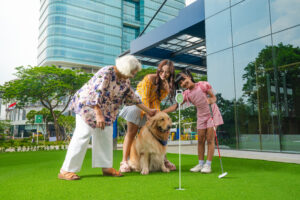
{"x": 127, "y": 64}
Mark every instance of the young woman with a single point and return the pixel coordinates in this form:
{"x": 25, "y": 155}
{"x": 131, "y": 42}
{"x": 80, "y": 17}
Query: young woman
{"x": 96, "y": 106}
{"x": 152, "y": 90}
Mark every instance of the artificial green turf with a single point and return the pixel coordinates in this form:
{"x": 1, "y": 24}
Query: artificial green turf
{"x": 33, "y": 175}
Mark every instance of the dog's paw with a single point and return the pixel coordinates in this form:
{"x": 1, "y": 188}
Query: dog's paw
{"x": 166, "y": 170}
{"x": 136, "y": 169}
{"x": 145, "y": 171}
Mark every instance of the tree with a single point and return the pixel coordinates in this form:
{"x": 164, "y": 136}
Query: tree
{"x": 275, "y": 70}
{"x": 140, "y": 75}
{"x": 47, "y": 117}
{"x": 4, "y": 126}
{"x": 122, "y": 123}
{"x": 67, "y": 123}
{"x": 50, "y": 86}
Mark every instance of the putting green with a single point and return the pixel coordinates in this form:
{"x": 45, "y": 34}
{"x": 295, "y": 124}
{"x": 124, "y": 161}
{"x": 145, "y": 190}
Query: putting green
{"x": 33, "y": 175}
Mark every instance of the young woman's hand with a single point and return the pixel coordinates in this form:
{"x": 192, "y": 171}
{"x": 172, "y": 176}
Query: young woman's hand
{"x": 152, "y": 112}
{"x": 148, "y": 111}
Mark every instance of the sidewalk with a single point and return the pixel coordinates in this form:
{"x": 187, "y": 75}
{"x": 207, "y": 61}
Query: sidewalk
{"x": 269, "y": 156}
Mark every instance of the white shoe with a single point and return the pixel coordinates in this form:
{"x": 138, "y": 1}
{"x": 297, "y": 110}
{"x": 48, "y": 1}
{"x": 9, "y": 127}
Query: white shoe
{"x": 206, "y": 169}
{"x": 197, "y": 168}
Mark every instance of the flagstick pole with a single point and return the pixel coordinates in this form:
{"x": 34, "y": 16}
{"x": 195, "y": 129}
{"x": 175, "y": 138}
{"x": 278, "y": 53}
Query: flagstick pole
{"x": 179, "y": 100}
{"x": 179, "y": 151}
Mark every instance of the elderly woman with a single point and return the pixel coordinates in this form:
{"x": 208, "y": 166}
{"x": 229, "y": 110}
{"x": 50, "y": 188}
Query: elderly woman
{"x": 96, "y": 106}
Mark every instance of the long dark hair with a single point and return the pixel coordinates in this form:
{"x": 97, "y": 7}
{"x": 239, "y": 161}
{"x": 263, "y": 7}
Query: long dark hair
{"x": 181, "y": 76}
{"x": 170, "y": 80}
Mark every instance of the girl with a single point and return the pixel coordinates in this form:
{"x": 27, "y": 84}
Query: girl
{"x": 152, "y": 90}
{"x": 200, "y": 94}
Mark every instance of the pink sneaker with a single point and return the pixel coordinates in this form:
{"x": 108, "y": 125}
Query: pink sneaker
{"x": 170, "y": 165}
{"x": 124, "y": 167}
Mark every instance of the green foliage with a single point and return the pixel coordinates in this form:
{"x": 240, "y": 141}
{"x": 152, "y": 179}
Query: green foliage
{"x": 122, "y": 125}
{"x": 273, "y": 64}
{"x": 47, "y": 117}
{"x": 4, "y": 126}
{"x": 228, "y": 129}
{"x": 275, "y": 67}
{"x": 198, "y": 78}
{"x": 67, "y": 122}
{"x": 43, "y": 84}
{"x": 51, "y": 86}
{"x": 140, "y": 75}
{"x": 28, "y": 144}
{"x": 2, "y": 136}
{"x": 262, "y": 69}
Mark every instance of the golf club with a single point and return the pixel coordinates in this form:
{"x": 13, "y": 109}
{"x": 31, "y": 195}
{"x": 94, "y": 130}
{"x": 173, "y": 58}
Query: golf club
{"x": 212, "y": 118}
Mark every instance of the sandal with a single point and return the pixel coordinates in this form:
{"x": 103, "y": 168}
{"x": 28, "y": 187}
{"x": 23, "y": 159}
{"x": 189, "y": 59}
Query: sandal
{"x": 70, "y": 176}
{"x": 112, "y": 172}
{"x": 124, "y": 167}
{"x": 170, "y": 165}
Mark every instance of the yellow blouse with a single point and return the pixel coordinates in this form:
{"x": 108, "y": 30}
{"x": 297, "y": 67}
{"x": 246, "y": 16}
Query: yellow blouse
{"x": 147, "y": 91}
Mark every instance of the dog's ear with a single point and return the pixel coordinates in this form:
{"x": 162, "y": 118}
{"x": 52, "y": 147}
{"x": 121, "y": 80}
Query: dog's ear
{"x": 152, "y": 122}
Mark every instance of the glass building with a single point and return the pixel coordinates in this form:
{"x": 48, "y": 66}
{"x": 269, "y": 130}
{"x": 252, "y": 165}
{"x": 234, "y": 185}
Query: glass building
{"x": 92, "y": 33}
{"x": 253, "y": 64}
{"x": 250, "y": 51}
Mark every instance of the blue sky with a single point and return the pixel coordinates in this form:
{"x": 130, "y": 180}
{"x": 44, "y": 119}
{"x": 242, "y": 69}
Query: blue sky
{"x": 18, "y": 36}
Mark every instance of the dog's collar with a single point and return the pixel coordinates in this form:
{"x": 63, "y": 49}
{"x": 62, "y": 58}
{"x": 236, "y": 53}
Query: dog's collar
{"x": 162, "y": 142}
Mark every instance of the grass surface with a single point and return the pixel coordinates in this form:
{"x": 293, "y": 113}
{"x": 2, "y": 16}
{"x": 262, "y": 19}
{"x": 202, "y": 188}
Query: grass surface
{"x": 33, "y": 175}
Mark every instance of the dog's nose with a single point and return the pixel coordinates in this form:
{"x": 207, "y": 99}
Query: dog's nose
{"x": 168, "y": 127}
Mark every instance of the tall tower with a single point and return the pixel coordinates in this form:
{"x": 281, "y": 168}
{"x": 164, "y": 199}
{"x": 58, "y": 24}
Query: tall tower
{"x": 92, "y": 33}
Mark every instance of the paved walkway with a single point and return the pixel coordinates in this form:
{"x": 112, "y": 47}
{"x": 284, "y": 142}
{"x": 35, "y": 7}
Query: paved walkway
{"x": 270, "y": 156}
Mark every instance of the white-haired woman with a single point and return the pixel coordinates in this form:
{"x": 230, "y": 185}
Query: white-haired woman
{"x": 96, "y": 106}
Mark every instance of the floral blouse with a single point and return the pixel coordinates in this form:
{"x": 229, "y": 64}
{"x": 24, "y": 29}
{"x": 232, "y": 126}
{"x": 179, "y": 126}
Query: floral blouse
{"x": 108, "y": 92}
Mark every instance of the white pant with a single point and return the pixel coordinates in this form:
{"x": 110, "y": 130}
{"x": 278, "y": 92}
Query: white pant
{"x": 102, "y": 146}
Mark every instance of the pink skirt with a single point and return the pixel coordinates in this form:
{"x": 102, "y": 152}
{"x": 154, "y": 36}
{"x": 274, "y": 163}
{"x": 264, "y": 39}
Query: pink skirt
{"x": 205, "y": 121}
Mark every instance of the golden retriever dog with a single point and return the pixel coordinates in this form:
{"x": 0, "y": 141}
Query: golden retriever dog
{"x": 148, "y": 150}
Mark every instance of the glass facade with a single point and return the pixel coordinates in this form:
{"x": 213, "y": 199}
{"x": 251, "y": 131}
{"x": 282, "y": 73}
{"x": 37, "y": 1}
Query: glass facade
{"x": 253, "y": 64}
{"x": 93, "y": 33}
{"x": 168, "y": 12}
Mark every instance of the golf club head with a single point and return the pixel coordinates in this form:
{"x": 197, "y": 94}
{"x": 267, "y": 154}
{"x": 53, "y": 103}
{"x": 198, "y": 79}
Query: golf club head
{"x": 222, "y": 175}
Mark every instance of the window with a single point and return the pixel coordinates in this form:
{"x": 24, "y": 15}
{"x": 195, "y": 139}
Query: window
{"x": 218, "y": 33}
{"x": 214, "y": 6}
{"x": 250, "y": 20}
